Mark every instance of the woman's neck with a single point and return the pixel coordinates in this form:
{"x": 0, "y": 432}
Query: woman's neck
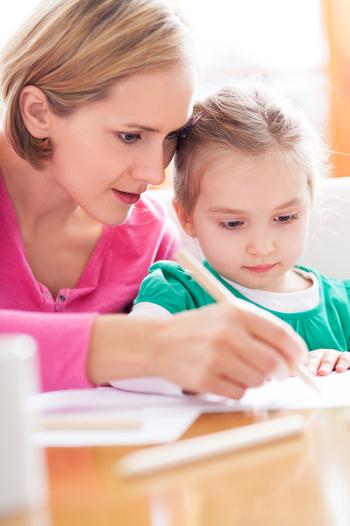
{"x": 36, "y": 195}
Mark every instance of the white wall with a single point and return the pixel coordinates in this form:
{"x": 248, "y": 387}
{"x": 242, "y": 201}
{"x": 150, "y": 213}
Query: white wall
{"x": 281, "y": 40}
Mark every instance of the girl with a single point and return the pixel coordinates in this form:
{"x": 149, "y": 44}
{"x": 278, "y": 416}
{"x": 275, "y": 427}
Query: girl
{"x": 94, "y": 96}
{"x": 244, "y": 184}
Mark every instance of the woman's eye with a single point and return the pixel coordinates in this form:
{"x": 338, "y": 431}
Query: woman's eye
{"x": 282, "y": 220}
{"x": 129, "y": 138}
{"x": 231, "y": 225}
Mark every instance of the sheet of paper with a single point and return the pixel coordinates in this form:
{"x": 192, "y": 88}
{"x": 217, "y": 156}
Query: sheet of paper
{"x": 289, "y": 394}
{"x": 158, "y": 425}
{"x": 166, "y": 415}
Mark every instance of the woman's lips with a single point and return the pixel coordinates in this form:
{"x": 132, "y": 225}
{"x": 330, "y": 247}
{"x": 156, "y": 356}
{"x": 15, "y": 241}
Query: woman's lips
{"x": 126, "y": 197}
{"x": 261, "y": 268}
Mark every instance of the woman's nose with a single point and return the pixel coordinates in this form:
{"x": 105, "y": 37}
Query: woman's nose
{"x": 151, "y": 168}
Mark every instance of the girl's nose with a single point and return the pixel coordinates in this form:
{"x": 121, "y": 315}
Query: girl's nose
{"x": 261, "y": 246}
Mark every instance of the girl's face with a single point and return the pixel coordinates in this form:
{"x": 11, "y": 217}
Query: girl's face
{"x": 251, "y": 217}
{"x": 107, "y": 152}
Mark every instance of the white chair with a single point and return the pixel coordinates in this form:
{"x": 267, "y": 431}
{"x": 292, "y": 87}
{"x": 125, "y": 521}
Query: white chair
{"x": 327, "y": 249}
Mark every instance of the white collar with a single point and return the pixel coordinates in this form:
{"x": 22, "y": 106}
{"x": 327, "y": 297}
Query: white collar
{"x": 287, "y": 302}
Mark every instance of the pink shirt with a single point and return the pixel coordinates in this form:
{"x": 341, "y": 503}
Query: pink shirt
{"x": 108, "y": 284}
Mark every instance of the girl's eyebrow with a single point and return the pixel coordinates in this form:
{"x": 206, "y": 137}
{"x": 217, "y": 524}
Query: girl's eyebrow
{"x": 236, "y": 211}
{"x": 293, "y": 202}
{"x": 224, "y": 210}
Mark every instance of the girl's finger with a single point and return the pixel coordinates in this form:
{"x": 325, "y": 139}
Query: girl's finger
{"x": 343, "y": 363}
{"x": 327, "y": 364}
{"x": 313, "y": 361}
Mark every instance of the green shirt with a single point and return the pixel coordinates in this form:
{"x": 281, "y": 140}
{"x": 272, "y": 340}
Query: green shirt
{"x": 327, "y": 326}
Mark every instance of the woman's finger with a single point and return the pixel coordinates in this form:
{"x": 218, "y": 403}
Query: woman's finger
{"x": 225, "y": 387}
{"x": 255, "y": 372}
{"x": 237, "y": 370}
{"x": 274, "y": 333}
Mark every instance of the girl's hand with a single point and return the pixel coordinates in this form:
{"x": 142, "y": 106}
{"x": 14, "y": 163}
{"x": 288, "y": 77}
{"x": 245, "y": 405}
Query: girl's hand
{"x": 324, "y": 361}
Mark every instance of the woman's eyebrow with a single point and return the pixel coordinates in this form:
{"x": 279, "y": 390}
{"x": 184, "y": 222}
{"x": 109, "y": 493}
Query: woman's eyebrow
{"x": 137, "y": 126}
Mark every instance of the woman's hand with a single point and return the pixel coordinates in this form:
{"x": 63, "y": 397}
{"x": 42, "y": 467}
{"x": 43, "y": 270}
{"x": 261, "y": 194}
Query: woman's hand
{"x": 225, "y": 349}
{"x": 322, "y": 362}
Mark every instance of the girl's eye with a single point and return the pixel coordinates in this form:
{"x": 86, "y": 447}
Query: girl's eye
{"x": 283, "y": 220}
{"x": 179, "y": 134}
{"x": 172, "y": 136}
{"x": 129, "y": 138}
{"x": 231, "y": 225}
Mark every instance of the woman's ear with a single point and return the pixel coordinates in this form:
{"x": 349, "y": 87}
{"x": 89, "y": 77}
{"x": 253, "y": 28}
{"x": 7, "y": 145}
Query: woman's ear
{"x": 35, "y": 111}
{"x": 184, "y": 218}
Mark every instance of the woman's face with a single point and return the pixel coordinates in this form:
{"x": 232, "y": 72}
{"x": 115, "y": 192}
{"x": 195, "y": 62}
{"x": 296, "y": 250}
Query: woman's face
{"x": 107, "y": 152}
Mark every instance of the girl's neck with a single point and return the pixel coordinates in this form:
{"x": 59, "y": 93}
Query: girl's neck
{"x": 291, "y": 281}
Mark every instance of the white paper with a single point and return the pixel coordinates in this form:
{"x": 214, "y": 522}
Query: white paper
{"x": 289, "y": 394}
{"x": 148, "y": 385}
{"x": 166, "y": 415}
{"x": 157, "y": 426}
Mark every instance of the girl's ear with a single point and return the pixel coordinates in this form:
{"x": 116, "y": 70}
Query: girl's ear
{"x": 184, "y": 218}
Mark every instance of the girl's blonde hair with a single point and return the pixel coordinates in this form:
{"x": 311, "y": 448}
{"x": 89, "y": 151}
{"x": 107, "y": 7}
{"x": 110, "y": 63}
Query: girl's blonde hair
{"x": 247, "y": 118}
{"x": 74, "y": 50}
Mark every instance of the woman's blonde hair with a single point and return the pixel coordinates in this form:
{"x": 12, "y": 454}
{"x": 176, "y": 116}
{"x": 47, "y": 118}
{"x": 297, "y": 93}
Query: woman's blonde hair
{"x": 74, "y": 50}
{"x": 244, "y": 117}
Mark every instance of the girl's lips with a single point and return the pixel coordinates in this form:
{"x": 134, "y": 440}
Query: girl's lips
{"x": 126, "y": 197}
{"x": 261, "y": 268}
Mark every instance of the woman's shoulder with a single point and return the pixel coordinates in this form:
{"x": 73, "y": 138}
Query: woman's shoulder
{"x": 150, "y": 208}
{"x": 149, "y": 226}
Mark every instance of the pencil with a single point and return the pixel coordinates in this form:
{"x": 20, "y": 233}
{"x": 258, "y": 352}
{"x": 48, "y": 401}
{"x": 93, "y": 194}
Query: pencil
{"x": 220, "y": 293}
{"x": 170, "y": 455}
{"x": 87, "y": 421}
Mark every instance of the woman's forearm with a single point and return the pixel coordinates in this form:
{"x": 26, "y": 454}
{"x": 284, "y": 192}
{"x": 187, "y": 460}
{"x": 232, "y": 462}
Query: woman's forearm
{"x": 122, "y": 347}
{"x": 62, "y": 341}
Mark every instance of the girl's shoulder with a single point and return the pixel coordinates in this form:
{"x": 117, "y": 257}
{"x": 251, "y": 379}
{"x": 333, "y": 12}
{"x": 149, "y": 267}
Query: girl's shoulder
{"x": 332, "y": 289}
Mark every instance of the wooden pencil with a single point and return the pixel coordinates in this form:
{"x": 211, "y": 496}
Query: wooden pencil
{"x": 167, "y": 456}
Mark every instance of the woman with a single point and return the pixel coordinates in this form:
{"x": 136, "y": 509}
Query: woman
{"x": 95, "y": 95}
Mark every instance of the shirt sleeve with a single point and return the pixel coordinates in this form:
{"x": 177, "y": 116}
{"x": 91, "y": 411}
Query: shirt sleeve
{"x": 171, "y": 287}
{"x": 151, "y": 310}
{"x": 63, "y": 343}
